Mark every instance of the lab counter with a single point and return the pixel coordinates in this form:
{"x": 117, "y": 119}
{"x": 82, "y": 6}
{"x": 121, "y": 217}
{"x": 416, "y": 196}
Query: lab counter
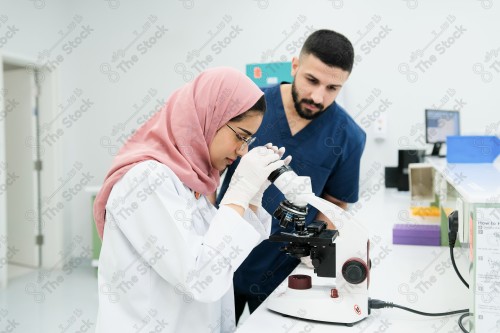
{"x": 422, "y": 277}
{"x": 418, "y": 277}
{"x": 474, "y": 182}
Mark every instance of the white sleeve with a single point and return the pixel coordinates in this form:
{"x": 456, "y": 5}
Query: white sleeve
{"x": 260, "y": 220}
{"x": 202, "y": 264}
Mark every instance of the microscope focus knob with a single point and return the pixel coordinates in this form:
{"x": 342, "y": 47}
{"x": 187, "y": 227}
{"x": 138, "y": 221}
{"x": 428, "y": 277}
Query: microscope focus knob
{"x": 354, "y": 271}
{"x": 299, "y": 281}
{"x": 315, "y": 262}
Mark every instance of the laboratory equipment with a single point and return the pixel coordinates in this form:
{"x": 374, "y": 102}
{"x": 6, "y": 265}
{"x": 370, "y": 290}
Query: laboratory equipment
{"x": 440, "y": 124}
{"x": 339, "y": 291}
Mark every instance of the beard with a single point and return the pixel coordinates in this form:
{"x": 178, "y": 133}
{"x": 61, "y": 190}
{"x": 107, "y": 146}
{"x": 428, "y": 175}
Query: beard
{"x": 303, "y": 112}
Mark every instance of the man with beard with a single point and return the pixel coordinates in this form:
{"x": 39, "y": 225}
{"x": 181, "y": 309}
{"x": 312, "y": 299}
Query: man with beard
{"x": 326, "y": 145}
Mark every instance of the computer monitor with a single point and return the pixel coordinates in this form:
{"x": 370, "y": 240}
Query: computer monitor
{"x": 438, "y": 125}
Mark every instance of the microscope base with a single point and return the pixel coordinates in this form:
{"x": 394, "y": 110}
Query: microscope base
{"x": 317, "y": 304}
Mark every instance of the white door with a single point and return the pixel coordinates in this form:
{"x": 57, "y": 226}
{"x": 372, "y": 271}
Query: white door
{"x": 51, "y": 216}
{"x": 21, "y": 178}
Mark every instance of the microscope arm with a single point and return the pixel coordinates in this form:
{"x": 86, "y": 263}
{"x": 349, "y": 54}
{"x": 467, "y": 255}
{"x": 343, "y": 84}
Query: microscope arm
{"x": 352, "y": 242}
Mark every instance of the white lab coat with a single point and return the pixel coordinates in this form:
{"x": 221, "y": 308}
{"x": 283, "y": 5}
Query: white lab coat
{"x": 167, "y": 258}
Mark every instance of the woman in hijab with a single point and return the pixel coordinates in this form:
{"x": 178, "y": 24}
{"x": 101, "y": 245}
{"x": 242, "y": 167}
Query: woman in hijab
{"x": 168, "y": 255}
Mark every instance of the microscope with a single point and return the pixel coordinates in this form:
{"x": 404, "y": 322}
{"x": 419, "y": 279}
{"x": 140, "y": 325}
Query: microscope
{"x": 339, "y": 291}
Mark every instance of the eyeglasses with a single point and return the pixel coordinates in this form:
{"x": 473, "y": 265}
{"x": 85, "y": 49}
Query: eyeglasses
{"x": 246, "y": 142}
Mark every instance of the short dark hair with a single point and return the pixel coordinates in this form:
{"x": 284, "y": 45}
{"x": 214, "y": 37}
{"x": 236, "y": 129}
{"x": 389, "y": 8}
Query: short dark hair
{"x": 330, "y": 47}
{"x": 259, "y": 106}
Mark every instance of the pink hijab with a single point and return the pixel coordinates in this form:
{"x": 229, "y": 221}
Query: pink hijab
{"x": 179, "y": 134}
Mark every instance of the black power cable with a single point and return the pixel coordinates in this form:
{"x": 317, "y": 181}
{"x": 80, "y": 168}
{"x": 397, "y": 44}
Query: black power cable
{"x": 378, "y": 304}
{"x": 460, "y": 321}
{"x": 452, "y": 238}
{"x": 455, "y": 267}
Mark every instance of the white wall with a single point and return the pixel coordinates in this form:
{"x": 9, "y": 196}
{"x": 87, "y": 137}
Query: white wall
{"x": 3, "y": 177}
{"x": 116, "y": 27}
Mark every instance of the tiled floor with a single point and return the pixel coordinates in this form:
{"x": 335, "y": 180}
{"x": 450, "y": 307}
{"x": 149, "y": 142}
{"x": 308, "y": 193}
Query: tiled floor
{"x": 36, "y": 303}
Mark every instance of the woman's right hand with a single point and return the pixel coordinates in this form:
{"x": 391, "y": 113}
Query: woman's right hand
{"x": 251, "y": 173}
{"x": 257, "y": 199}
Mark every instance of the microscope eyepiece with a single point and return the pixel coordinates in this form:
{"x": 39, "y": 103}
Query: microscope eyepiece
{"x": 278, "y": 172}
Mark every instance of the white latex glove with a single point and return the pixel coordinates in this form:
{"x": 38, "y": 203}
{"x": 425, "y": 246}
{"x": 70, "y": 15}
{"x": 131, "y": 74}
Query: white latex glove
{"x": 299, "y": 189}
{"x": 251, "y": 173}
{"x": 257, "y": 198}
